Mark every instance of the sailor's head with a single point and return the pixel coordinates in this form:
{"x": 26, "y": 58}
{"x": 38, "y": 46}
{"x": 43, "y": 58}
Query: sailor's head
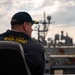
{"x": 20, "y": 18}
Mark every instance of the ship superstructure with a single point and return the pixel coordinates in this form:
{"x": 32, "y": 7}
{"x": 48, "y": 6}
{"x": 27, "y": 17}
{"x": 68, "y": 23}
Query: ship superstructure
{"x": 60, "y": 56}
{"x": 60, "y": 52}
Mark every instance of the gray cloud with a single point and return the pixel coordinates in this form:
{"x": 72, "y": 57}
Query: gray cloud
{"x": 64, "y": 15}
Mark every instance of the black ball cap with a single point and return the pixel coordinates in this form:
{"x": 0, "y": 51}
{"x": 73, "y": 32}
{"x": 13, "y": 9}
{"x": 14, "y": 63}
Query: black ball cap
{"x": 21, "y": 17}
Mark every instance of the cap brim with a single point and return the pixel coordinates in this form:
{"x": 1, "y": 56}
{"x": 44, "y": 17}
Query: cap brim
{"x": 35, "y": 22}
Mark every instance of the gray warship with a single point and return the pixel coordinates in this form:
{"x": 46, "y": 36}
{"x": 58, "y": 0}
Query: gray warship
{"x": 60, "y": 52}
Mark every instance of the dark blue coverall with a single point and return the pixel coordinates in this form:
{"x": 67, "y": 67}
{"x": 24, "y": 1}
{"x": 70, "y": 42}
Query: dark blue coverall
{"x": 34, "y": 51}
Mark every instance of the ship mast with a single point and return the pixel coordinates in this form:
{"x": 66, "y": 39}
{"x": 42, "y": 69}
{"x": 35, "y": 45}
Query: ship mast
{"x": 46, "y": 24}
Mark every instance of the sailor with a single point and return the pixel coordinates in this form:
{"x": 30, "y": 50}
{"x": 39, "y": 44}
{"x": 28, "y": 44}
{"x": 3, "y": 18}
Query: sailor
{"x": 21, "y": 29}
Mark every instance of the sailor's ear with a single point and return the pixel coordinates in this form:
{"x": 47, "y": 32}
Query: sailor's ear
{"x": 25, "y": 26}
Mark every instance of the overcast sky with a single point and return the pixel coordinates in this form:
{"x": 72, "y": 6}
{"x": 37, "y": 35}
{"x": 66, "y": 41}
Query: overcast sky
{"x": 61, "y": 11}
